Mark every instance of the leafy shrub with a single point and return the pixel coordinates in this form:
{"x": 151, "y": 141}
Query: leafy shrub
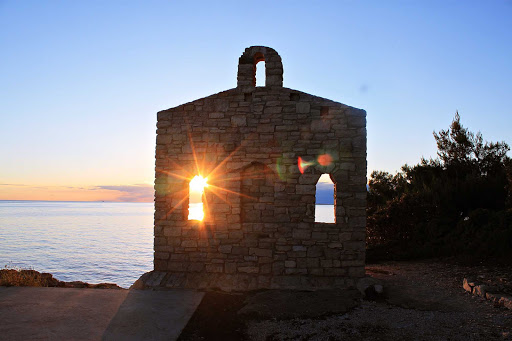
{"x": 453, "y": 205}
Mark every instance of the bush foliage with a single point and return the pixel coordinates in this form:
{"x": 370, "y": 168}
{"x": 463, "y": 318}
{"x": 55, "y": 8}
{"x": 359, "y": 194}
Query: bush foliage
{"x": 456, "y": 204}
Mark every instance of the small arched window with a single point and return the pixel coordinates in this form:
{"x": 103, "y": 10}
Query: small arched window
{"x": 325, "y": 200}
{"x": 260, "y": 73}
{"x": 260, "y": 69}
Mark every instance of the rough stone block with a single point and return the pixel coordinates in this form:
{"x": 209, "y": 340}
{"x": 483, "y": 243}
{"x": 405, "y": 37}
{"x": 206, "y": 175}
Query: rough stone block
{"x": 225, "y": 248}
{"x": 248, "y": 269}
{"x": 272, "y": 110}
{"x": 196, "y": 267}
{"x": 162, "y": 255}
{"x": 290, "y": 264}
{"x": 320, "y": 126}
{"x": 467, "y": 286}
{"x": 303, "y": 108}
{"x": 319, "y": 235}
{"x": 495, "y": 298}
{"x": 480, "y": 290}
{"x": 506, "y": 301}
{"x": 214, "y": 268}
{"x": 189, "y": 243}
{"x": 230, "y": 268}
{"x": 301, "y": 234}
{"x": 239, "y": 121}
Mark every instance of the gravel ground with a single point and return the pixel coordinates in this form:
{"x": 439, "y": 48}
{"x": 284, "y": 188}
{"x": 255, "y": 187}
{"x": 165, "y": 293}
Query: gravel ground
{"x": 422, "y": 301}
{"x": 377, "y": 321}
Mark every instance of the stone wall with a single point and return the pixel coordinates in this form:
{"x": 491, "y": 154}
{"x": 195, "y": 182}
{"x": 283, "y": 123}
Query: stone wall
{"x": 259, "y": 229}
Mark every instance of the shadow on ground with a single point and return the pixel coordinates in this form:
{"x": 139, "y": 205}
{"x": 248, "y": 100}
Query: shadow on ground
{"x": 225, "y": 316}
{"x": 152, "y": 315}
{"x": 421, "y": 301}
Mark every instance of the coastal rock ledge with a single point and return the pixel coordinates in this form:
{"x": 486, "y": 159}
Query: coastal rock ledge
{"x": 32, "y": 278}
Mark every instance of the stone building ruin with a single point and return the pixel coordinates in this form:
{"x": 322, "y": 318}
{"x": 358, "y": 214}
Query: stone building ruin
{"x": 263, "y": 150}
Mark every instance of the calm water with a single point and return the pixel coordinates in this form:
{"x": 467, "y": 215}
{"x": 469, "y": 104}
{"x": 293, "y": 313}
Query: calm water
{"x": 83, "y": 241}
{"x": 86, "y": 241}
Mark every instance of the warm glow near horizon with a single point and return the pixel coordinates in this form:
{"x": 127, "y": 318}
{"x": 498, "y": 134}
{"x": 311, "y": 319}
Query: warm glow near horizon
{"x": 115, "y": 193}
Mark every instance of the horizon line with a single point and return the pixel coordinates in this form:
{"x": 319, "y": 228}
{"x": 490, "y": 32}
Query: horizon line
{"x": 132, "y": 202}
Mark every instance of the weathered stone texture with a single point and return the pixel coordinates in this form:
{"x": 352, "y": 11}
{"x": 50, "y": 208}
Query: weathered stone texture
{"x": 248, "y": 140}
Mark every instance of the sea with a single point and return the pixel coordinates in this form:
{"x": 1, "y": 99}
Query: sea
{"x": 94, "y": 242}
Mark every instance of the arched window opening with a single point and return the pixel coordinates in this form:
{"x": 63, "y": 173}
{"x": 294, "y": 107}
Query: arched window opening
{"x": 195, "y": 198}
{"x": 260, "y": 73}
{"x": 325, "y": 199}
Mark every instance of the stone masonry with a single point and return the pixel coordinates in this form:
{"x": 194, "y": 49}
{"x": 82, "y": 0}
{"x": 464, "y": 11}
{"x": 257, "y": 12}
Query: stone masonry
{"x": 259, "y": 229}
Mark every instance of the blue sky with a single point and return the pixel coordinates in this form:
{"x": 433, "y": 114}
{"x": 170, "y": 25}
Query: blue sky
{"x": 81, "y": 81}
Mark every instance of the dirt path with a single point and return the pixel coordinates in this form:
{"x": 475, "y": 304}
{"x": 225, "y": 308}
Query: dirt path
{"x": 423, "y": 301}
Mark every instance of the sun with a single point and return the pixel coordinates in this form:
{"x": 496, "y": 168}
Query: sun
{"x": 198, "y": 183}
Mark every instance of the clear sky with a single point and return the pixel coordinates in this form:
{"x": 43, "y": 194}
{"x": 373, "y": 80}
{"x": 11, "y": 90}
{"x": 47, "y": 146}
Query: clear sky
{"x": 81, "y": 81}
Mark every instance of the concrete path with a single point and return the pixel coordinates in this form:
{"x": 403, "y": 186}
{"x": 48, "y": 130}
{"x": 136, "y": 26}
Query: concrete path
{"x": 94, "y": 314}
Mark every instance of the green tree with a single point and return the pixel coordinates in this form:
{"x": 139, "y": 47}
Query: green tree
{"x": 458, "y": 147}
{"x": 416, "y": 211}
{"x": 383, "y": 187}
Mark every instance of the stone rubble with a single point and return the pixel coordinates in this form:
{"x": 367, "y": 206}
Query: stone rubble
{"x": 370, "y": 288}
{"x": 488, "y": 292}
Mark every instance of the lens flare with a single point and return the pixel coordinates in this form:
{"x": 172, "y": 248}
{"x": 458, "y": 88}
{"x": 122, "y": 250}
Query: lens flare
{"x": 303, "y": 165}
{"x": 198, "y": 208}
{"x": 324, "y": 160}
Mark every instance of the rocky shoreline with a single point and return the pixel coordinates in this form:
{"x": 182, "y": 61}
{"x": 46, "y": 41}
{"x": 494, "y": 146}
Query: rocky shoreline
{"x": 33, "y": 278}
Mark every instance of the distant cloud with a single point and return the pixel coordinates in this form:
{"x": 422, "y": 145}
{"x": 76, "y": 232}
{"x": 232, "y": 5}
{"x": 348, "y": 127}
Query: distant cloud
{"x": 23, "y": 185}
{"x": 131, "y": 193}
{"x": 12, "y": 185}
